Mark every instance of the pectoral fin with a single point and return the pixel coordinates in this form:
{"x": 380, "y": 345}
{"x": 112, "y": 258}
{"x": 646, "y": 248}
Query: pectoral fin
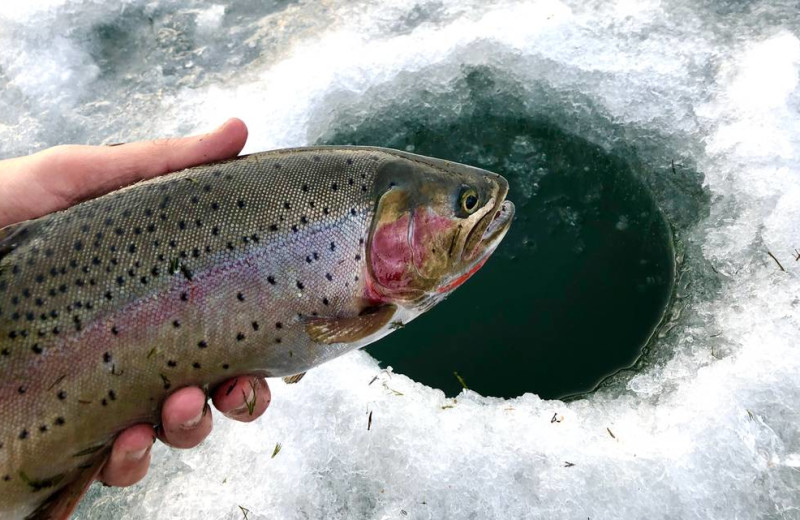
{"x": 61, "y": 503}
{"x": 349, "y": 329}
{"x": 293, "y": 379}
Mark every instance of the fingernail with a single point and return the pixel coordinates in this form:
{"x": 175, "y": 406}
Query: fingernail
{"x": 242, "y": 408}
{"x": 137, "y": 455}
{"x": 192, "y": 423}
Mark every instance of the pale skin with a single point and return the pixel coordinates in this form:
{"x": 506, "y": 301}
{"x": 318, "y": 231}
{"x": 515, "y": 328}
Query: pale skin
{"x": 59, "y": 177}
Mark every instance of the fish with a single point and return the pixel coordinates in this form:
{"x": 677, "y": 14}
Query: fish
{"x": 271, "y": 264}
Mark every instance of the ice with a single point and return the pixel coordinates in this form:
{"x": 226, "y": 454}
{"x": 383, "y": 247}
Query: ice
{"x": 706, "y": 426}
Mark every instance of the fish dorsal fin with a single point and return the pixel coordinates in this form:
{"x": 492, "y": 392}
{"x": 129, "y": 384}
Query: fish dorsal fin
{"x": 349, "y": 329}
{"x": 293, "y": 379}
{"x": 61, "y": 504}
{"x": 11, "y": 236}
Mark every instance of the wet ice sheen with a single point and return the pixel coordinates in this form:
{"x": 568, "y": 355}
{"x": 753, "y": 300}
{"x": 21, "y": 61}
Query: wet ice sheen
{"x": 707, "y": 428}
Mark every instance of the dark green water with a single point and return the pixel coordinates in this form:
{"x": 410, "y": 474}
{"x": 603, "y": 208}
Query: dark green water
{"x": 578, "y": 284}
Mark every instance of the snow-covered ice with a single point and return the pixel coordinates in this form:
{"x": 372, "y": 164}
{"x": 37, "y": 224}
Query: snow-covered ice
{"x": 706, "y": 427}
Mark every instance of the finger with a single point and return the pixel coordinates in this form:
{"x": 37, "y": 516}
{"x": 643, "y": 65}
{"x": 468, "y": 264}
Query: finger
{"x": 244, "y": 398}
{"x": 59, "y": 177}
{"x": 185, "y": 418}
{"x": 130, "y": 456}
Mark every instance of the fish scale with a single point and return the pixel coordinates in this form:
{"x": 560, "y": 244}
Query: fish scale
{"x": 187, "y": 279}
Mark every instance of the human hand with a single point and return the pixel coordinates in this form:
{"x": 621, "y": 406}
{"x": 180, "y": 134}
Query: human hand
{"x": 59, "y": 177}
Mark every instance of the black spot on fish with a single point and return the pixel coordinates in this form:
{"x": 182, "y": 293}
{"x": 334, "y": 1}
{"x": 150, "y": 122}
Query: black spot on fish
{"x": 334, "y": 186}
{"x": 60, "y": 421}
{"x": 23, "y": 434}
{"x": 300, "y": 285}
{"x": 240, "y": 203}
{"x": 187, "y": 273}
{"x": 176, "y": 324}
{"x": 181, "y": 225}
{"x": 61, "y": 395}
{"x": 294, "y": 229}
{"x": 358, "y": 257}
{"x": 278, "y": 340}
{"x": 22, "y": 390}
{"x": 329, "y": 276}
{"x": 325, "y": 301}
{"x": 78, "y": 245}
{"x": 273, "y": 227}
{"x": 171, "y": 363}
{"x": 195, "y": 365}
{"x": 214, "y": 206}
{"x": 107, "y": 357}
{"x": 349, "y": 161}
{"x": 286, "y": 205}
{"x": 325, "y": 210}
{"x": 137, "y": 230}
{"x": 215, "y": 231}
{"x": 36, "y": 348}
{"x": 271, "y": 280}
{"x": 114, "y": 330}
{"x": 353, "y": 211}
{"x": 240, "y": 297}
{"x": 225, "y": 366}
{"x": 304, "y": 187}
{"x": 333, "y": 246}
{"x": 184, "y": 297}
{"x": 119, "y": 231}
{"x": 194, "y": 200}
{"x": 278, "y": 325}
{"x": 240, "y": 337}
{"x": 5, "y": 352}
{"x": 254, "y": 325}
{"x": 112, "y": 395}
{"x": 202, "y": 344}
{"x": 303, "y": 219}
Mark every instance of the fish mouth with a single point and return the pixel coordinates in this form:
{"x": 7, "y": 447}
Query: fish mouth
{"x": 492, "y": 236}
{"x": 496, "y": 230}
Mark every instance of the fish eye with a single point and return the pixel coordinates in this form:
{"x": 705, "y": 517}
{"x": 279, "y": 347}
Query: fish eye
{"x": 469, "y": 201}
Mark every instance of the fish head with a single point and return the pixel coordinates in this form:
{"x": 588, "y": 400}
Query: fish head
{"x": 435, "y": 224}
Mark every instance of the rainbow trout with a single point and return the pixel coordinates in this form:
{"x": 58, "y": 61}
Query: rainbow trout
{"x": 271, "y": 264}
